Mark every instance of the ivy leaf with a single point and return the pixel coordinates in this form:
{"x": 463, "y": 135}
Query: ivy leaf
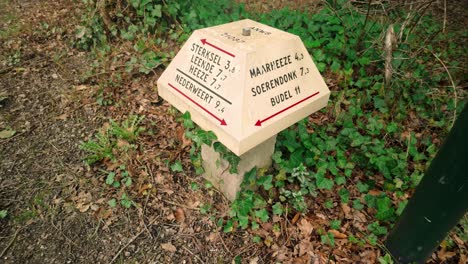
{"x": 277, "y": 208}
{"x": 243, "y": 221}
{"x": 266, "y": 182}
{"x": 256, "y": 239}
{"x": 380, "y": 104}
{"x": 376, "y": 229}
{"x": 290, "y": 140}
{"x": 177, "y": 166}
{"x": 335, "y": 67}
{"x": 110, "y": 178}
{"x": 125, "y": 201}
{"x": 344, "y": 195}
{"x": 318, "y": 55}
{"x": 358, "y": 205}
{"x": 255, "y": 225}
{"x": 157, "y": 11}
{"x": 340, "y": 180}
{"x": 228, "y": 227}
{"x": 262, "y": 214}
{"x": 244, "y": 204}
{"x": 385, "y": 210}
{"x": 3, "y": 214}
{"x": 362, "y": 187}
{"x": 324, "y": 183}
{"x": 112, "y": 203}
{"x": 250, "y": 178}
{"x": 128, "y": 181}
{"x": 276, "y": 157}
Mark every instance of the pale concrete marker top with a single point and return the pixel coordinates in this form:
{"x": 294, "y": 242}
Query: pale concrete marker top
{"x": 244, "y": 88}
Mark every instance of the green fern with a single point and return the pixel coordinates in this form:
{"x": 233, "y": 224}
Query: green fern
{"x": 129, "y": 130}
{"x": 98, "y": 148}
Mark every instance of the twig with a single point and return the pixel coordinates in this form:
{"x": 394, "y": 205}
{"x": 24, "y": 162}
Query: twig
{"x": 195, "y": 256}
{"x": 363, "y": 31}
{"x": 144, "y": 210}
{"x": 222, "y": 240}
{"x": 7, "y": 69}
{"x": 61, "y": 232}
{"x": 455, "y": 99}
{"x": 445, "y": 16}
{"x": 10, "y": 243}
{"x": 11, "y": 138}
{"x": 181, "y": 205}
{"x": 408, "y": 147}
{"x": 329, "y": 255}
{"x": 421, "y": 12}
{"x": 129, "y": 242}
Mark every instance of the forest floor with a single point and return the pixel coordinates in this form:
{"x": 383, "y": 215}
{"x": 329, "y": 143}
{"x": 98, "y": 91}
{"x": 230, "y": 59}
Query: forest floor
{"x": 55, "y": 213}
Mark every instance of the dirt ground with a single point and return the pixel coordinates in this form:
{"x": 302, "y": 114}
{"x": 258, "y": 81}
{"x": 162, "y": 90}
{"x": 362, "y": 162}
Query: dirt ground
{"x": 43, "y": 180}
{"x": 55, "y": 213}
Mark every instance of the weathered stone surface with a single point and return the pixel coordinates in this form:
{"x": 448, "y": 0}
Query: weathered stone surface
{"x": 217, "y": 169}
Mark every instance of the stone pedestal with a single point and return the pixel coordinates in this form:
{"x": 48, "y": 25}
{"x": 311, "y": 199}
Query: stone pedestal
{"x": 217, "y": 169}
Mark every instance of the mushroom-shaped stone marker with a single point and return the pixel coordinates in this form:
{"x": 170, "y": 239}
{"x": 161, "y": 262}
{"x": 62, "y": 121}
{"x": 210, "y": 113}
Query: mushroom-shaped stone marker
{"x": 246, "y": 82}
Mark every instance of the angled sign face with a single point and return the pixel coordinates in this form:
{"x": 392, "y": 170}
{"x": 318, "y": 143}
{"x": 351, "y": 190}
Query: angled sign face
{"x": 245, "y": 89}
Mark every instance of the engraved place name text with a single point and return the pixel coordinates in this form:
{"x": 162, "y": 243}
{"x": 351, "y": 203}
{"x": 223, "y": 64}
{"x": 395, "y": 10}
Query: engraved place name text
{"x": 270, "y": 66}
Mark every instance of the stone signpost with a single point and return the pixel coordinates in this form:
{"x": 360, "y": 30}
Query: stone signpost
{"x": 246, "y": 82}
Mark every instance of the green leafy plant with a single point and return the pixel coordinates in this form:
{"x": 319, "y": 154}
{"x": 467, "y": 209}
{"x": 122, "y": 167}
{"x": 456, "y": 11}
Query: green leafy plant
{"x": 128, "y": 130}
{"x": 227, "y": 155}
{"x": 177, "y": 166}
{"x": 386, "y": 259}
{"x": 125, "y": 201}
{"x": 3, "y": 214}
{"x": 328, "y": 238}
{"x": 99, "y": 148}
{"x": 378, "y": 135}
{"x": 106, "y": 141}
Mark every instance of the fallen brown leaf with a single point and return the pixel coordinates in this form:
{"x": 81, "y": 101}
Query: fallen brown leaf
{"x": 179, "y": 215}
{"x": 304, "y": 247}
{"x": 81, "y": 87}
{"x": 253, "y": 260}
{"x": 168, "y": 247}
{"x": 122, "y": 143}
{"x": 305, "y": 227}
{"x": 62, "y": 117}
{"x": 295, "y": 218}
{"x": 346, "y": 210}
{"x": 444, "y": 255}
{"x": 82, "y": 207}
{"x": 463, "y": 259}
{"x": 7, "y": 133}
{"x": 337, "y": 234}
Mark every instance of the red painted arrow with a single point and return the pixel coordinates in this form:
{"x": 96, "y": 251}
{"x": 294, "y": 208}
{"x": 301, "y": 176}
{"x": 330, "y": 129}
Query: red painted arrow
{"x": 204, "y": 41}
{"x": 223, "y": 122}
{"x": 259, "y": 122}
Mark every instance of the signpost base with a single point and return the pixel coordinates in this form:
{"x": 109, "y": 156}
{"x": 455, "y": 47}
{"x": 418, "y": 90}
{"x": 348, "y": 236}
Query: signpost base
{"x": 217, "y": 169}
